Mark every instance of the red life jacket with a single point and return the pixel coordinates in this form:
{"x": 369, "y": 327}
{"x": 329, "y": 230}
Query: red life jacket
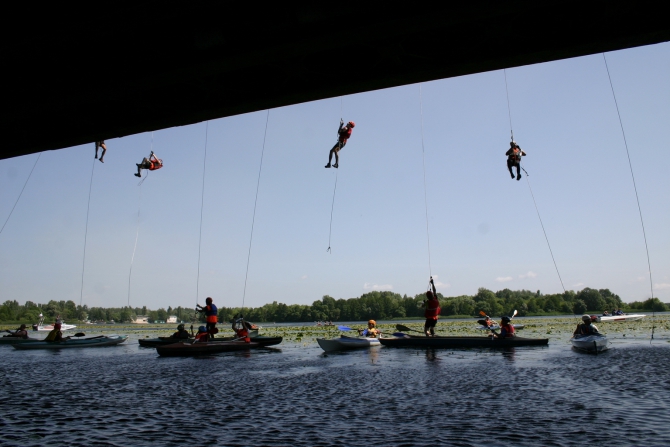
{"x": 509, "y": 331}
{"x": 432, "y": 309}
{"x": 243, "y": 334}
{"x": 345, "y": 133}
{"x": 516, "y": 155}
{"x": 202, "y": 336}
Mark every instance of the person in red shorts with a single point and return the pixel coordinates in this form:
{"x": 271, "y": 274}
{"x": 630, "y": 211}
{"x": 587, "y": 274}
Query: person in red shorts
{"x": 343, "y": 135}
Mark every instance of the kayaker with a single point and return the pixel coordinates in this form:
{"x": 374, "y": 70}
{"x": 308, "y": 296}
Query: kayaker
{"x": 202, "y": 335}
{"x": 343, "y": 135}
{"x": 241, "y": 329}
{"x": 181, "y": 333}
{"x": 371, "y": 331}
{"x": 432, "y": 311}
{"x": 21, "y": 332}
{"x": 586, "y": 328}
{"x": 56, "y": 335}
{"x": 506, "y": 329}
{"x": 211, "y": 315}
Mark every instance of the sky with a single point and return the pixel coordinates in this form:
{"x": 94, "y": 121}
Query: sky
{"x": 482, "y": 226}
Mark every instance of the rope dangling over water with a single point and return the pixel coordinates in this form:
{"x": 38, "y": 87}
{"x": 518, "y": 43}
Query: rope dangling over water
{"x": 21, "y": 193}
{"x": 425, "y": 193}
{"x": 202, "y": 205}
{"x": 332, "y": 207}
{"x": 253, "y": 220}
{"x": 637, "y": 198}
{"x": 137, "y": 233}
{"x": 88, "y": 209}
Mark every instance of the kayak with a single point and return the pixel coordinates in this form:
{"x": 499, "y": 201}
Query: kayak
{"x": 345, "y": 343}
{"x": 496, "y": 327}
{"x": 460, "y": 342}
{"x": 8, "y": 340}
{"x": 93, "y": 342}
{"x": 163, "y": 341}
{"x": 631, "y": 317}
{"x": 589, "y": 343}
{"x": 183, "y": 349}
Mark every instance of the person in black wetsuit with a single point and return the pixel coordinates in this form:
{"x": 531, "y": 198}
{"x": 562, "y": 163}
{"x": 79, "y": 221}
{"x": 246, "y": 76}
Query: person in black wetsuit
{"x": 514, "y": 155}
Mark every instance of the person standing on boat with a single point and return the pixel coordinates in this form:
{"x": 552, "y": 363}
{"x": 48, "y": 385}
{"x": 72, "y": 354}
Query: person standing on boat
{"x": 506, "y": 328}
{"x": 152, "y": 163}
{"x": 432, "y": 310}
{"x": 211, "y": 315}
{"x": 343, "y": 135}
{"x": 371, "y": 331}
{"x": 100, "y": 145}
{"x": 586, "y": 328}
{"x": 514, "y": 155}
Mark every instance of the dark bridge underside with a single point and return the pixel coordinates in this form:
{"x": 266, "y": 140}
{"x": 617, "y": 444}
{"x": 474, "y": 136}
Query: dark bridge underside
{"x": 76, "y": 75}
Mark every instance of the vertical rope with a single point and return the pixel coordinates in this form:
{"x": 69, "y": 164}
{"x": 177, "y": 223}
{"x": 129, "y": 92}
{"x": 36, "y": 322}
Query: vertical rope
{"x": 137, "y": 233}
{"x": 637, "y": 198}
{"x": 332, "y": 207}
{"x": 202, "y": 205}
{"x": 253, "y": 220}
{"x": 88, "y": 208}
{"x": 425, "y": 194}
{"x": 509, "y": 110}
{"x": 21, "y": 193}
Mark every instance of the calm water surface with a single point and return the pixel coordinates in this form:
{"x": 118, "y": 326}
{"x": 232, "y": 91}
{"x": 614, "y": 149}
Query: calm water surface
{"x": 297, "y": 396}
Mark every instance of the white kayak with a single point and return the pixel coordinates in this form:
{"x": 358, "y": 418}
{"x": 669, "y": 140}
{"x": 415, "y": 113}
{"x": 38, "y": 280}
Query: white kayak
{"x": 631, "y": 317}
{"x": 496, "y": 327}
{"x": 345, "y": 343}
{"x": 589, "y": 343}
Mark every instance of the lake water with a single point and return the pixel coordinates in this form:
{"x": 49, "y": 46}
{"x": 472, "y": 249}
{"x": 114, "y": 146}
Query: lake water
{"x": 295, "y": 395}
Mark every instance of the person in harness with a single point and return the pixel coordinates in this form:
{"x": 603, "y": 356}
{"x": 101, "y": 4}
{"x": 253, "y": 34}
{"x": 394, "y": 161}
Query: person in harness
{"x": 211, "y": 316}
{"x": 343, "y": 135}
{"x": 432, "y": 312}
{"x": 586, "y": 328}
{"x": 152, "y": 163}
{"x": 514, "y": 155}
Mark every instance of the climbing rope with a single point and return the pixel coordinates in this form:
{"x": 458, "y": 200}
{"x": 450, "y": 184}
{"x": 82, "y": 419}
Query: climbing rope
{"x": 511, "y": 130}
{"x": 253, "y": 220}
{"x": 88, "y": 208}
{"x": 425, "y": 194}
{"x": 332, "y": 205}
{"x": 21, "y": 193}
{"x": 637, "y": 198}
{"x": 202, "y": 205}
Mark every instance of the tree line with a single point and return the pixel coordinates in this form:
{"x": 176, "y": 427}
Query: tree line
{"x": 374, "y": 305}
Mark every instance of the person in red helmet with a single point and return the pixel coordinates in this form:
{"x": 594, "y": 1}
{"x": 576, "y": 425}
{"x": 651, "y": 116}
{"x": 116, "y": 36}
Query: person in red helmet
{"x": 211, "y": 316}
{"x": 432, "y": 305}
{"x": 152, "y": 163}
{"x": 343, "y": 134}
{"x": 514, "y": 155}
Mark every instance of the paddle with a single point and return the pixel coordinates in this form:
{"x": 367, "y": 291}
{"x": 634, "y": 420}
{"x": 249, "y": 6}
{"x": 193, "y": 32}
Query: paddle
{"x": 401, "y": 327}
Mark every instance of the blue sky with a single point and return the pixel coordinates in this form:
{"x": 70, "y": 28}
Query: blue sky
{"x": 484, "y": 230}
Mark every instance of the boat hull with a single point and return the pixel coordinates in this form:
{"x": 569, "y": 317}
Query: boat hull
{"x": 632, "y": 317}
{"x": 104, "y": 340}
{"x": 590, "y": 343}
{"x": 461, "y": 342}
{"x": 164, "y": 341}
{"x": 207, "y": 348}
{"x": 345, "y": 343}
{"x": 12, "y": 340}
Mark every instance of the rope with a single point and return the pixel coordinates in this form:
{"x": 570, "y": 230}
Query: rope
{"x": 637, "y": 198}
{"x": 88, "y": 208}
{"x": 425, "y": 194}
{"x": 332, "y": 206}
{"x": 202, "y": 205}
{"x": 509, "y": 111}
{"x": 253, "y": 220}
{"x": 137, "y": 233}
{"x": 21, "y": 193}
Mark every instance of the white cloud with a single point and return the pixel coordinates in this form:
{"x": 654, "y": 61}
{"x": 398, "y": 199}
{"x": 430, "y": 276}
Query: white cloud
{"x": 661, "y": 286}
{"x": 303, "y": 277}
{"x": 528, "y": 275}
{"x": 440, "y": 284}
{"x": 504, "y": 278}
{"x": 368, "y": 286}
{"x": 579, "y": 284}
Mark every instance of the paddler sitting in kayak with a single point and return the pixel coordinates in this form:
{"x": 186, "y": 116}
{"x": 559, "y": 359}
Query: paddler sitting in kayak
{"x": 586, "y": 328}
{"x": 21, "y": 332}
{"x": 202, "y": 335}
{"x": 182, "y": 333}
{"x": 241, "y": 329}
{"x": 56, "y": 335}
{"x": 371, "y": 331}
{"x": 506, "y": 329}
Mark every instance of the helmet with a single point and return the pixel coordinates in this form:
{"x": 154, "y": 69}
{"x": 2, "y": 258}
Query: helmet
{"x": 351, "y": 124}
{"x": 586, "y": 318}
{"x": 202, "y": 329}
{"x": 208, "y": 301}
{"x": 506, "y": 319}
{"x": 180, "y": 327}
{"x": 429, "y": 294}
{"x": 372, "y": 322}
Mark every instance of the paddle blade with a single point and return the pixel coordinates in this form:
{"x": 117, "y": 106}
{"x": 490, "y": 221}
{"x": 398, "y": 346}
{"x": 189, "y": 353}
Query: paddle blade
{"x": 79, "y": 334}
{"x": 344, "y": 328}
{"x": 398, "y": 334}
{"x": 482, "y": 313}
{"x": 514, "y": 313}
{"x": 400, "y": 327}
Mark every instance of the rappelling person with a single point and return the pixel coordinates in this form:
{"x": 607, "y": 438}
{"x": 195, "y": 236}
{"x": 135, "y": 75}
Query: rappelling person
{"x": 514, "y": 155}
{"x": 432, "y": 305}
{"x": 211, "y": 316}
{"x": 343, "y": 134}
{"x": 152, "y": 163}
{"x": 100, "y": 145}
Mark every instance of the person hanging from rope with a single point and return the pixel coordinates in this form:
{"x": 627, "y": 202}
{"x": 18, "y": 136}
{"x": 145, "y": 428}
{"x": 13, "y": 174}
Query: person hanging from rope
{"x": 152, "y": 163}
{"x": 100, "y": 145}
{"x": 514, "y": 155}
{"x": 211, "y": 315}
{"x": 343, "y": 134}
{"x": 432, "y": 305}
